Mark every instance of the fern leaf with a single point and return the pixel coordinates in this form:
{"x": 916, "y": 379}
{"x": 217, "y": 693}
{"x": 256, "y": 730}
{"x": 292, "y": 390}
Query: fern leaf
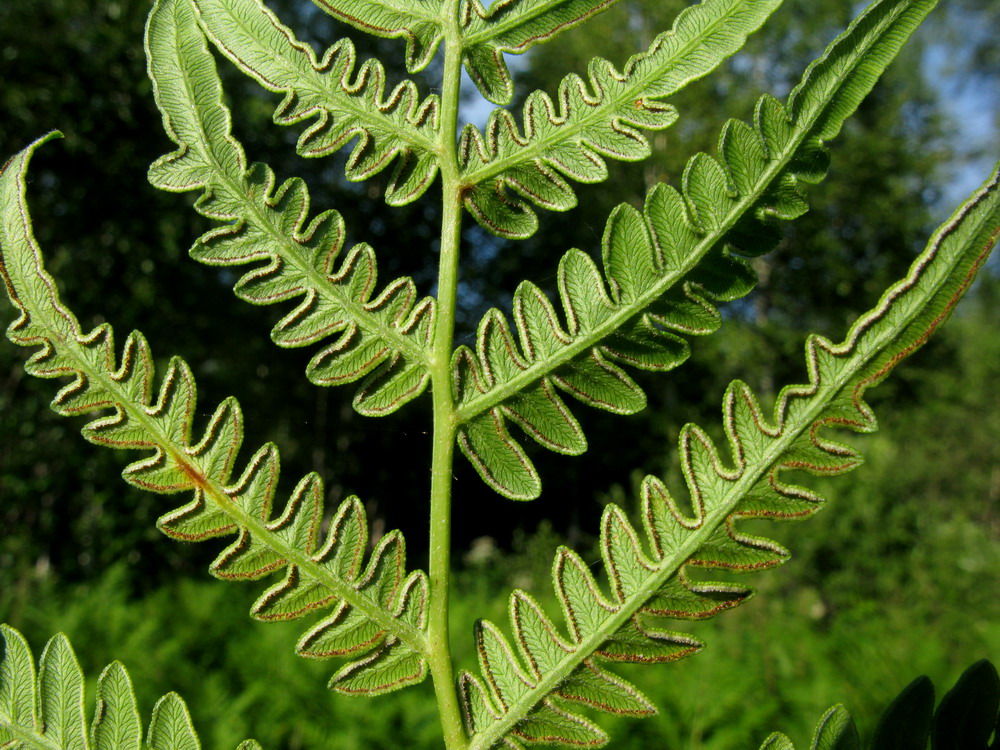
{"x": 383, "y": 337}
{"x": 594, "y": 119}
{"x": 836, "y": 731}
{"x": 45, "y": 709}
{"x": 347, "y": 104}
{"x": 663, "y": 268}
{"x": 377, "y": 600}
{"x": 171, "y": 728}
{"x": 649, "y": 582}
{"x": 514, "y": 26}
{"x": 777, "y": 741}
{"x": 418, "y": 22}
{"x": 60, "y": 695}
{"x": 116, "y": 723}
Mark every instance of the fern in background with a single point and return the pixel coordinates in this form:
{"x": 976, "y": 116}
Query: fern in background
{"x": 665, "y": 268}
{"x": 45, "y": 709}
{"x": 966, "y": 717}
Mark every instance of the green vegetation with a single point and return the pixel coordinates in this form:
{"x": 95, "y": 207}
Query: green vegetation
{"x": 899, "y": 561}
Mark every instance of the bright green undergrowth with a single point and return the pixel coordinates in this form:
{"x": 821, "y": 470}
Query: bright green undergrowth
{"x": 551, "y": 665}
{"x": 862, "y": 655}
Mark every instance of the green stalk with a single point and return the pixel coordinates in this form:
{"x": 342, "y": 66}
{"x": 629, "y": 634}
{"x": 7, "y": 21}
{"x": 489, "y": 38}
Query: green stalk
{"x": 445, "y": 422}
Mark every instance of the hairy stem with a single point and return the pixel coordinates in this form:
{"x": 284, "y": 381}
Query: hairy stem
{"x": 445, "y": 423}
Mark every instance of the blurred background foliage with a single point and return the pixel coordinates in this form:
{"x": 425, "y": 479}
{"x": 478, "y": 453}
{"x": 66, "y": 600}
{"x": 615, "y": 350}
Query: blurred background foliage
{"x": 896, "y": 578}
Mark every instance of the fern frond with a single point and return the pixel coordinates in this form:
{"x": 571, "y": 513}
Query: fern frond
{"x": 514, "y": 26}
{"x": 44, "y": 708}
{"x": 376, "y": 610}
{"x": 594, "y": 119}
{"x": 663, "y": 268}
{"x": 347, "y": 104}
{"x": 525, "y": 687}
{"x": 383, "y": 338}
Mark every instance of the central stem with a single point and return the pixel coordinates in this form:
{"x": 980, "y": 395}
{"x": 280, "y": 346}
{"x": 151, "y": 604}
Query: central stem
{"x": 445, "y": 420}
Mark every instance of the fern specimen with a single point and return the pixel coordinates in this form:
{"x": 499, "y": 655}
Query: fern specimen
{"x": 650, "y": 582}
{"x": 664, "y": 271}
{"x": 378, "y": 610}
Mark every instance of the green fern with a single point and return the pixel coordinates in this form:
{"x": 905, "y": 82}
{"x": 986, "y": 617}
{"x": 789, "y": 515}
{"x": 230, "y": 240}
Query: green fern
{"x": 594, "y": 119}
{"x": 966, "y": 718}
{"x": 652, "y": 582}
{"x": 663, "y": 267}
{"x": 514, "y": 26}
{"x": 665, "y": 270}
{"x": 487, "y": 33}
{"x": 384, "y": 340}
{"x": 378, "y": 611}
{"x": 836, "y": 731}
{"x": 347, "y": 103}
{"x": 44, "y": 708}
